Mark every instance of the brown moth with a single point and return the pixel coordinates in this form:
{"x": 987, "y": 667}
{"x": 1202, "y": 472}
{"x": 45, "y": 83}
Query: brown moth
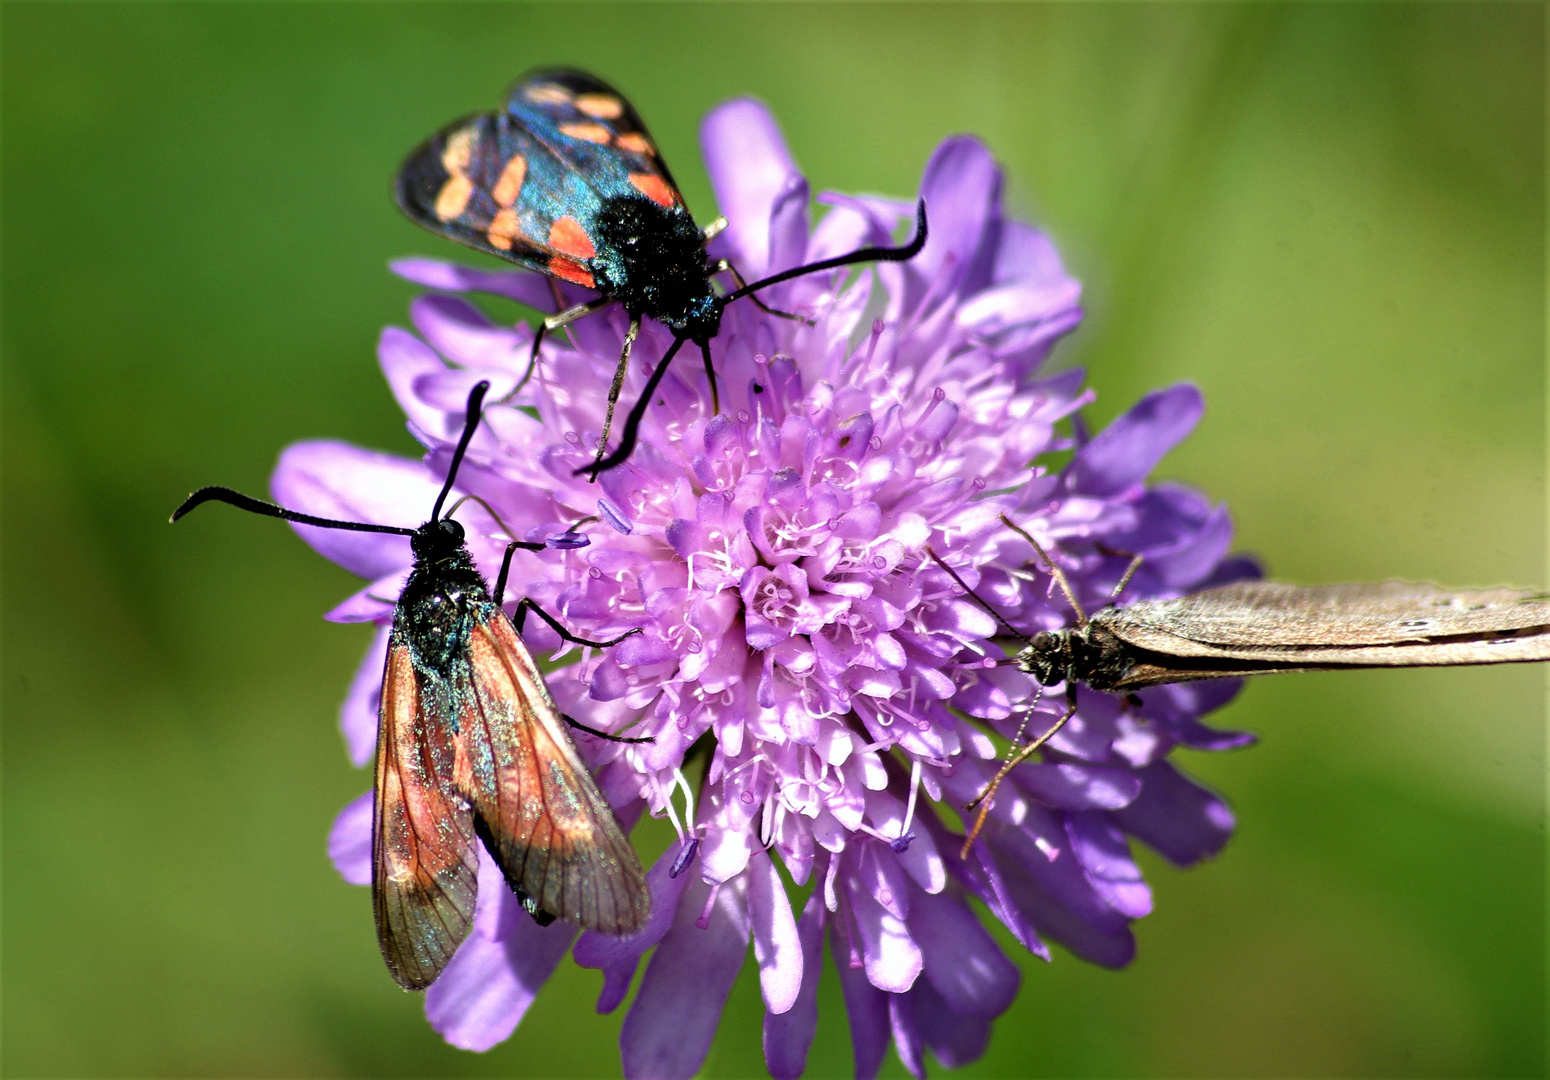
{"x": 1263, "y": 627}
{"x": 1266, "y": 627}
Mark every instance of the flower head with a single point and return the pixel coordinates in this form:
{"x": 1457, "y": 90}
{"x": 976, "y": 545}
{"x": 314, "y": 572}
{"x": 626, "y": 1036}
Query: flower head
{"x": 819, "y": 688}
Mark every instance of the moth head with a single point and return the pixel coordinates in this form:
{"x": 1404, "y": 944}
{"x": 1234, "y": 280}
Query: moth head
{"x": 1047, "y": 657}
{"x": 436, "y": 539}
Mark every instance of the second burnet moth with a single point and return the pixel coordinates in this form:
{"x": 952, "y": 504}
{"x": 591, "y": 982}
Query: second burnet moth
{"x": 470, "y": 747}
{"x": 1260, "y": 628}
{"x": 566, "y": 181}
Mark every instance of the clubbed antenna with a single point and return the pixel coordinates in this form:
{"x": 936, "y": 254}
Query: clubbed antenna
{"x": 470, "y": 423}
{"x": 216, "y": 493}
{"x": 866, "y": 254}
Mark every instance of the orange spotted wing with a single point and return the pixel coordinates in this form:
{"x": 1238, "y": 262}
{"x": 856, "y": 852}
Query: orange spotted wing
{"x": 527, "y": 184}
{"x": 566, "y": 181}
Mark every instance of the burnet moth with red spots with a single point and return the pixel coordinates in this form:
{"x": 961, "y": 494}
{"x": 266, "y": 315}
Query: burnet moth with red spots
{"x": 566, "y": 181}
{"x": 471, "y": 747}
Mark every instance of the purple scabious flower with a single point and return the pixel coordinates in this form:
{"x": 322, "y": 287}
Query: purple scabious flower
{"x": 802, "y": 646}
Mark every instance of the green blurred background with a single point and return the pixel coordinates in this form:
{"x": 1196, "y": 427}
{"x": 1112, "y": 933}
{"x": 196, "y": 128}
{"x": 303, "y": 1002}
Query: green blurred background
{"x": 1330, "y": 217}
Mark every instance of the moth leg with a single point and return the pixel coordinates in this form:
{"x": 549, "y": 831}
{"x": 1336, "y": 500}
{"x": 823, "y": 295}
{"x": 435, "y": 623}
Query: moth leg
{"x": 550, "y": 324}
{"x": 571, "y": 314}
{"x": 526, "y": 604}
{"x": 984, "y": 799}
{"x": 632, "y": 422}
{"x": 554, "y": 291}
{"x": 614, "y": 390}
{"x": 500, "y": 579}
{"x": 1055, "y": 572}
{"x": 714, "y": 229}
{"x": 579, "y": 726}
{"x": 737, "y": 279}
{"x": 710, "y": 376}
{"x": 1130, "y": 571}
{"x": 499, "y": 591}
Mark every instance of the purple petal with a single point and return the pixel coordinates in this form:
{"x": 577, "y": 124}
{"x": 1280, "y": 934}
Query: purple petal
{"x": 374, "y": 603}
{"x": 962, "y": 960}
{"x": 1191, "y": 561}
{"x": 670, "y": 1026}
{"x": 995, "y": 310}
{"x": 618, "y": 956}
{"x": 725, "y": 853}
{"x": 981, "y": 874}
{"x": 891, "y": 956}
{"x": 523, "y": 286}
{"x": 349, "y": 841}
{"x": 1234, "y": 568}
{"x": 446, "y": 391}
{"x": 749, "y": 164}
{"x": 1127, "y": 450}
{"x": 405, "y": 360}
{"x": 1023, "y": 253}
{"x": 494, "y": 976}
{"x": 842, "y": 230}
{"x": 867, "y": 1008}
{"x": 775, "y": 943}
{"x": 1178, "y": 818}
{"x": 789, "y": 1035}
{"x": 358, "y": 714}
{"x": 1053, "y": 892}
{"x": 901, "y": 1019}
{"x": 1104, "y": 853}
{"x": 345, "y": 483}
{"x": 954, "y": 1038}
{"x": 788, "y": 225}
{"x": 461, "y": 333}
{"x": 1077, "y": 787}
{"x": 1167, "y": 515}
{"x": 961, "y": 187}
{"x": 1178, "y": 705}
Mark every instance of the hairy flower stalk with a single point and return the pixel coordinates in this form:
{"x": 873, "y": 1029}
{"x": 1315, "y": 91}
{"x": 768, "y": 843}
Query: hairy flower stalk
{"x": 829, "y": 683}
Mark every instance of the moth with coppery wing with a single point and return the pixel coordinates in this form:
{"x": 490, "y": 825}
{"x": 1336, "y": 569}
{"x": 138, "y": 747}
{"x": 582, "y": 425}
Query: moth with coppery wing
{"x": 470, "y": 746}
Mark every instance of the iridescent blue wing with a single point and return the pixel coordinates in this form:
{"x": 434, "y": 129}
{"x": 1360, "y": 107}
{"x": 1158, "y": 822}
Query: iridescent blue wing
{"x": 594, "y": 131}
{"x": 527, "y": 184}
{"x": 486, "y": 182}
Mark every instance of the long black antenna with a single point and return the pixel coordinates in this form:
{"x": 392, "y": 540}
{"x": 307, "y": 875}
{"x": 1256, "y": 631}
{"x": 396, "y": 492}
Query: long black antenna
{"x": 258, "y": 506}
{"x": 470, "y": 423}
{"x": 866, "y": 254}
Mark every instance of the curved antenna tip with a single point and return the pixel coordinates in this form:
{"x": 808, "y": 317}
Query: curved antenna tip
{"x": 216, "y": 493}
{"x": 203, "y": 495}
{"x": 470, "y": 423}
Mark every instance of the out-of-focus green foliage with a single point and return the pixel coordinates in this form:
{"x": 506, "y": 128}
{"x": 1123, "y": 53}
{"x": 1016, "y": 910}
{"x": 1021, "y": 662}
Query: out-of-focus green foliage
{"x": 1330, "y": 217}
